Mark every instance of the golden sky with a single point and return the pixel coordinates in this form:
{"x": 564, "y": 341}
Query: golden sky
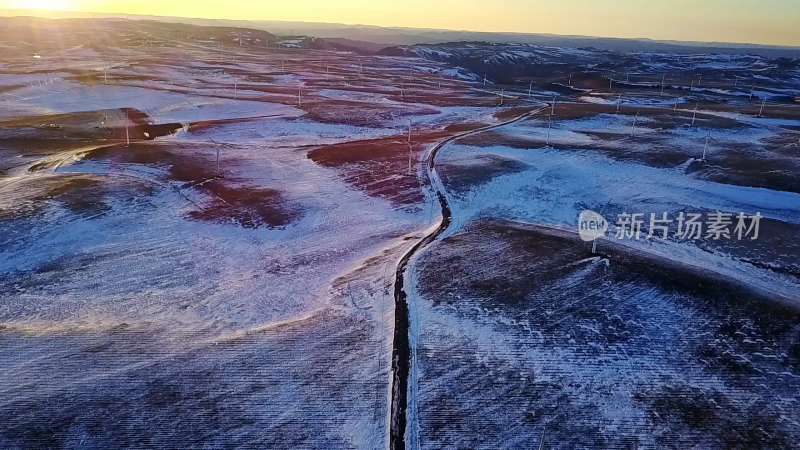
{"x": 751, "y": 21}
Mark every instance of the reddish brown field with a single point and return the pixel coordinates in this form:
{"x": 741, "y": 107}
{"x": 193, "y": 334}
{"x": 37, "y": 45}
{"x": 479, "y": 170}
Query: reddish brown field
{"x": 380, "y": 166}
{"x": 229, "y": 200}
{"x": 250, "y": 207}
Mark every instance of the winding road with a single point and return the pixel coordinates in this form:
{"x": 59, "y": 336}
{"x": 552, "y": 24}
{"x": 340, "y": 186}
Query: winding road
{"x": 401, "y": 350}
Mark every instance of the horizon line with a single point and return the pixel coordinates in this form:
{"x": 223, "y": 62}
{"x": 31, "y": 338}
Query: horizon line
{"x": 42, "y": 13}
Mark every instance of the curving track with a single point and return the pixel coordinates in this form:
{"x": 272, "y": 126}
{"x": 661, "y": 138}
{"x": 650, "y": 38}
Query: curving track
{"x": 401, "y": 350}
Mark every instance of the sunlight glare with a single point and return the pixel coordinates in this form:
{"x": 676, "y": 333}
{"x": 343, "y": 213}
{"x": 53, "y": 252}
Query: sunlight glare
{"x": 48, "y": 4}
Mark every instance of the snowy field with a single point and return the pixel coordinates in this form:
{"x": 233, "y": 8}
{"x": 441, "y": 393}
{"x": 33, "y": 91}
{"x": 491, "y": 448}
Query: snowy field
{"x": 200, "y": 230}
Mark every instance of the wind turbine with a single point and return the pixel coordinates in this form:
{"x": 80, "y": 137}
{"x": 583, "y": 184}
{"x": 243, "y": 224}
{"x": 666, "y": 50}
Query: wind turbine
{"x": 216, "y": 146}
{"x": 663, "y": 77}
{"x": 694, "y": 115}
{"x": 763, "y": 103}
{"x": 502, "y": 93}
{"x": 619, "y": 101}
{"x": 635, "y": 118}
{"x": 705, "y": 147}
{"x": 530, "y": 90}
{"x": 127, "y": 133}
{"x": 553, "y": 106}
{"x": 549, "y": 125}
{"x": 410, "y": 149}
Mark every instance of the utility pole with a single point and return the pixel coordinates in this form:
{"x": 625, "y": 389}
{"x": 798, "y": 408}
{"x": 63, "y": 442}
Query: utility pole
{"x": 694, "y": 115}
{"x": 619, "y": 101}
{"x": 549, "y": 125}
{"x": 502, "y": 94}
{"x": 299, "y": 94}
{"x": 530, "y": 90}
{"x": 663, "y": 77}
{"x": 569, "y": 82}
{"x": 553, "y": 106}
{"x": 705, "y": 147}
{"x": 676, "y": 104}
{"x": 635, "y": 118}
{"x": 763, "y": 103}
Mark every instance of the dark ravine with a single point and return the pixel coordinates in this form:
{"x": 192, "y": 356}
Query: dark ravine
{"x": 401, "y": 349}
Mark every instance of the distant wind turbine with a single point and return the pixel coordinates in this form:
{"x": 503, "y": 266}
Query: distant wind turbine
{"x": 410, "y": 149}
{"x": 127, "y": 133}
{"x": 705, "y": 147}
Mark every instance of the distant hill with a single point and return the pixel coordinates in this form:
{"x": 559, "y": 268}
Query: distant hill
{"x": 366, "y": 38}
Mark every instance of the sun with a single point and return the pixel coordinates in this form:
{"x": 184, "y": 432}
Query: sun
{"x": 47, "y": 4}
